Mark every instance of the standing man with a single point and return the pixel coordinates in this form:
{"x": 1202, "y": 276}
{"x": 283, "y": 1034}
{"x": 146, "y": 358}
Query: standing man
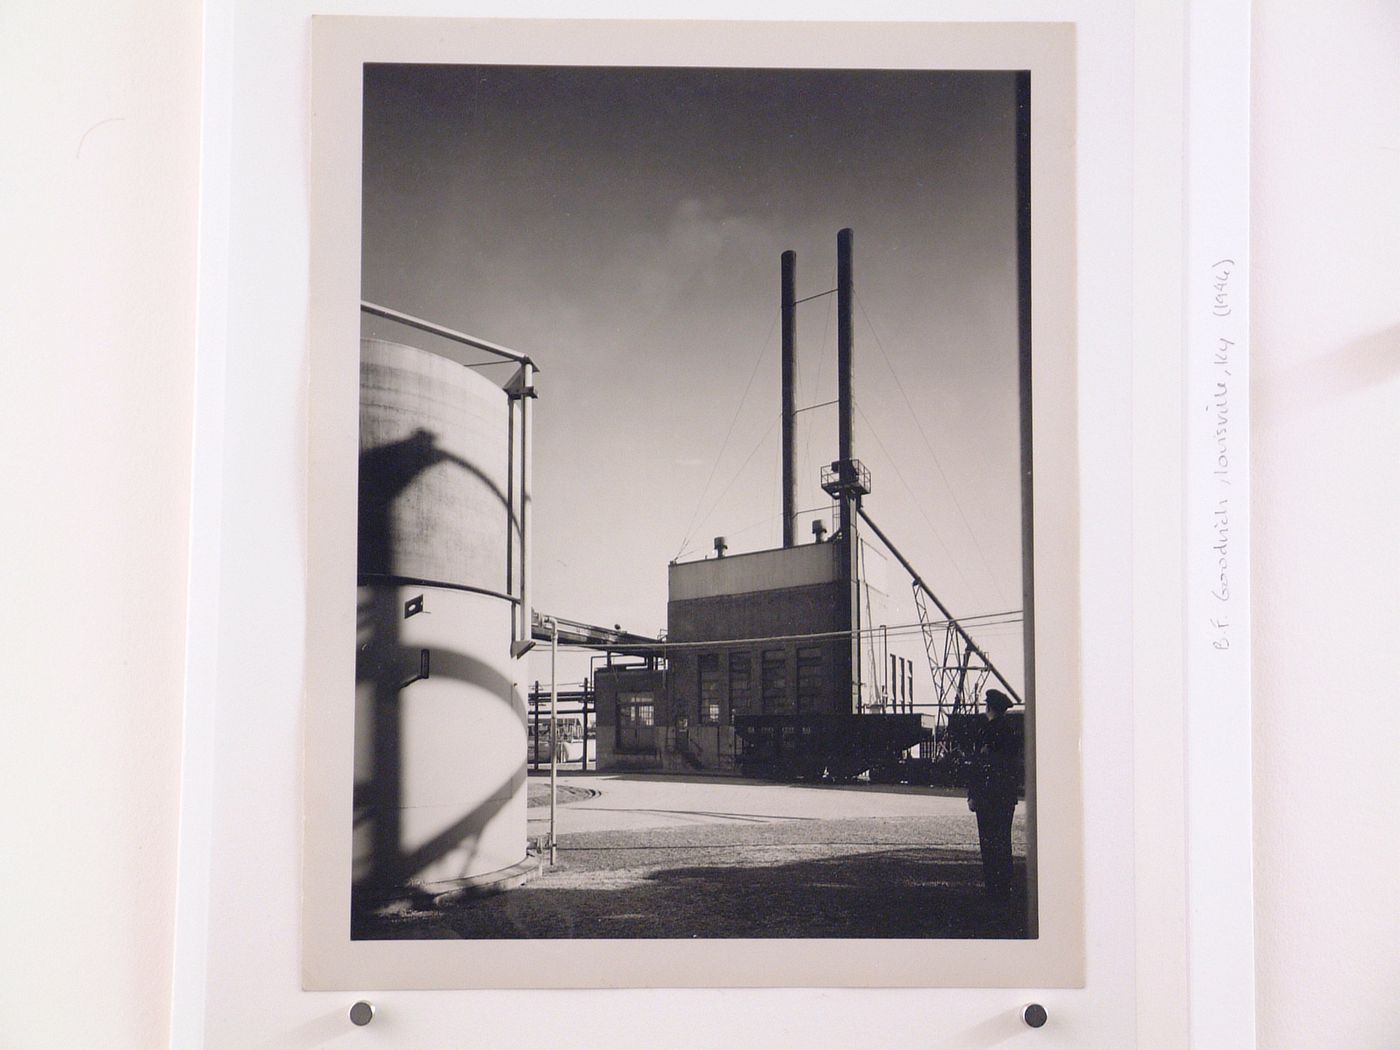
{"x": 993, "y": 789}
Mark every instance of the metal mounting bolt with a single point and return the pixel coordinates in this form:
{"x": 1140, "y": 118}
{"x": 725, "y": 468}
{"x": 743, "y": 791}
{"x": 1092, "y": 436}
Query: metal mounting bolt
{"x": 1034, "y": 1015}
{"x": 362, "y": 1013}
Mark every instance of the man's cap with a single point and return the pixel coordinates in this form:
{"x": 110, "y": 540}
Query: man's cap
{"x": 995, "y": 698}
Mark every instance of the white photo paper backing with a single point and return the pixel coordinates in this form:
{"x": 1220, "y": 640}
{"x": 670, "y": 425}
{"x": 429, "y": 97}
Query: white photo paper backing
{"x": 331, "y": 958}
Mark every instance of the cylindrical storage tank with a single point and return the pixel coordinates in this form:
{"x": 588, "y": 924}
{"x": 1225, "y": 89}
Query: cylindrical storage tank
{"x": 440, "y": 712}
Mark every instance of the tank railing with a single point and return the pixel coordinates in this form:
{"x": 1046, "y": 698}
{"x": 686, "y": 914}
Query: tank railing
{"x": 446, "y": 333}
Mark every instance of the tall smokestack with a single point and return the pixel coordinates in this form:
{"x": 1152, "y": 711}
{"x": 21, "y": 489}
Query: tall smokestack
{"x": 789, "y": 384}
{"x": 845, "y": 343}
{"x": 845, "y": 465}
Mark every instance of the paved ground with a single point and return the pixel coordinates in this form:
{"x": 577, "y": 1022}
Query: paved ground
{"x": 632, "y": 801}
{"x": 661, "y": 856}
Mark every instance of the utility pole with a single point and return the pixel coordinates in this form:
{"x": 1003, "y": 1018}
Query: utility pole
{"x": 789, "y": 384}
{"x": 553, "y": 737}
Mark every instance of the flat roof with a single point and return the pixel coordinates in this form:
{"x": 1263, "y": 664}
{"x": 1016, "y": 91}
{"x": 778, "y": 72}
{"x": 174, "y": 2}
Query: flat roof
{"x": 779, "y": 568}
{"x": 770, "y": 570}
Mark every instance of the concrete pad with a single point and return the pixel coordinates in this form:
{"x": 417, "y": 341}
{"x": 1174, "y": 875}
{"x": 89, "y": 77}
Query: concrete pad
{"x": 634, "y": 801}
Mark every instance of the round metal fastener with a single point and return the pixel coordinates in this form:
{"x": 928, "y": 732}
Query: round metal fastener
{"x": 1034, "y": 1015}
{"x": 362, "y": 1013}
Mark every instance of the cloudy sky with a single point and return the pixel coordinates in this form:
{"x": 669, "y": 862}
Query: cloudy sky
{"x": 624, "y": 226}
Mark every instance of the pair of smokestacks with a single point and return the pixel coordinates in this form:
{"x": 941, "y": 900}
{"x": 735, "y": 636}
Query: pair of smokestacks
{"x": 843, "y": 469}
{"x": 845, "y": 377}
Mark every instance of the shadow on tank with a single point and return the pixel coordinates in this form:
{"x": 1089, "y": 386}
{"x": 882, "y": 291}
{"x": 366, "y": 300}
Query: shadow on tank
{"x": 387, "y": 666}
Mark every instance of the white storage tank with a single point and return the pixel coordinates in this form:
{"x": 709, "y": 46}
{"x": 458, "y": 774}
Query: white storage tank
{"x": 440, "y": 712}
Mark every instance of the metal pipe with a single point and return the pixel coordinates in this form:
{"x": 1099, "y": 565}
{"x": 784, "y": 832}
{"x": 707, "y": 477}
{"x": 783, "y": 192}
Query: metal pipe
{"x": 583, "y": 718}
{"x": 885, "y": 662}
{"x": 535, "y": 710}
{"x": 525, "y": 642}
{"x": 445, "y": 333}
{"x": 553, "y": 738}
{"x": 789, "y": 385}
{"x": 510, "y": 512}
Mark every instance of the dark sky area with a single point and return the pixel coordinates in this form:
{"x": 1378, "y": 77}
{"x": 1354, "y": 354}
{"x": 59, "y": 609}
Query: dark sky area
{"x": 624, "y": 226}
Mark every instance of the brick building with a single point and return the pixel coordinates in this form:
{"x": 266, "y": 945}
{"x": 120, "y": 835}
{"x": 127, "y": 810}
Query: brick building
{"x": 759, "y": 671}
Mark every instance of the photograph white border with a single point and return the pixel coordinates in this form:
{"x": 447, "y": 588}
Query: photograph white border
{"x": 236, "y": 972}
{"x": 341, "y": 48}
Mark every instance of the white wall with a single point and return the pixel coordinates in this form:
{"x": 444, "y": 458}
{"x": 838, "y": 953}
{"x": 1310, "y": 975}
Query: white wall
{"x": 97, "y": 327}
{"x": 99, "y": 175}
{"x": 1326, "y": 401}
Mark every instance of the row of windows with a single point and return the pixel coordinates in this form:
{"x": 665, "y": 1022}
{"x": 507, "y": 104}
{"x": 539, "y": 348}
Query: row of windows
{"x": 774, "y": 695}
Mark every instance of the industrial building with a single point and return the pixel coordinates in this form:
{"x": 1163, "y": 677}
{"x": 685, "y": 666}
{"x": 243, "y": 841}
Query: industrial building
{"x": 758, "y": 669}
{"x": 770, "y": 664}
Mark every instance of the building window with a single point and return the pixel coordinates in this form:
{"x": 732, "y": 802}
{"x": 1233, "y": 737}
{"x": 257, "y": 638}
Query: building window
{"x": 809, "y": 677}
{"x": 711, "y": 688}
{"x": 740, "y": 685}
{"x": 774, "y": 681}
{"x": 636, "y": 721}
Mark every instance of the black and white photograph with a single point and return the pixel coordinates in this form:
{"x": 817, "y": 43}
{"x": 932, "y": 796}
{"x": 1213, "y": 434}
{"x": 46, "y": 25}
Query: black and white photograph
{"x": 701, "y": 525}
{"x": 696, "y": 495}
